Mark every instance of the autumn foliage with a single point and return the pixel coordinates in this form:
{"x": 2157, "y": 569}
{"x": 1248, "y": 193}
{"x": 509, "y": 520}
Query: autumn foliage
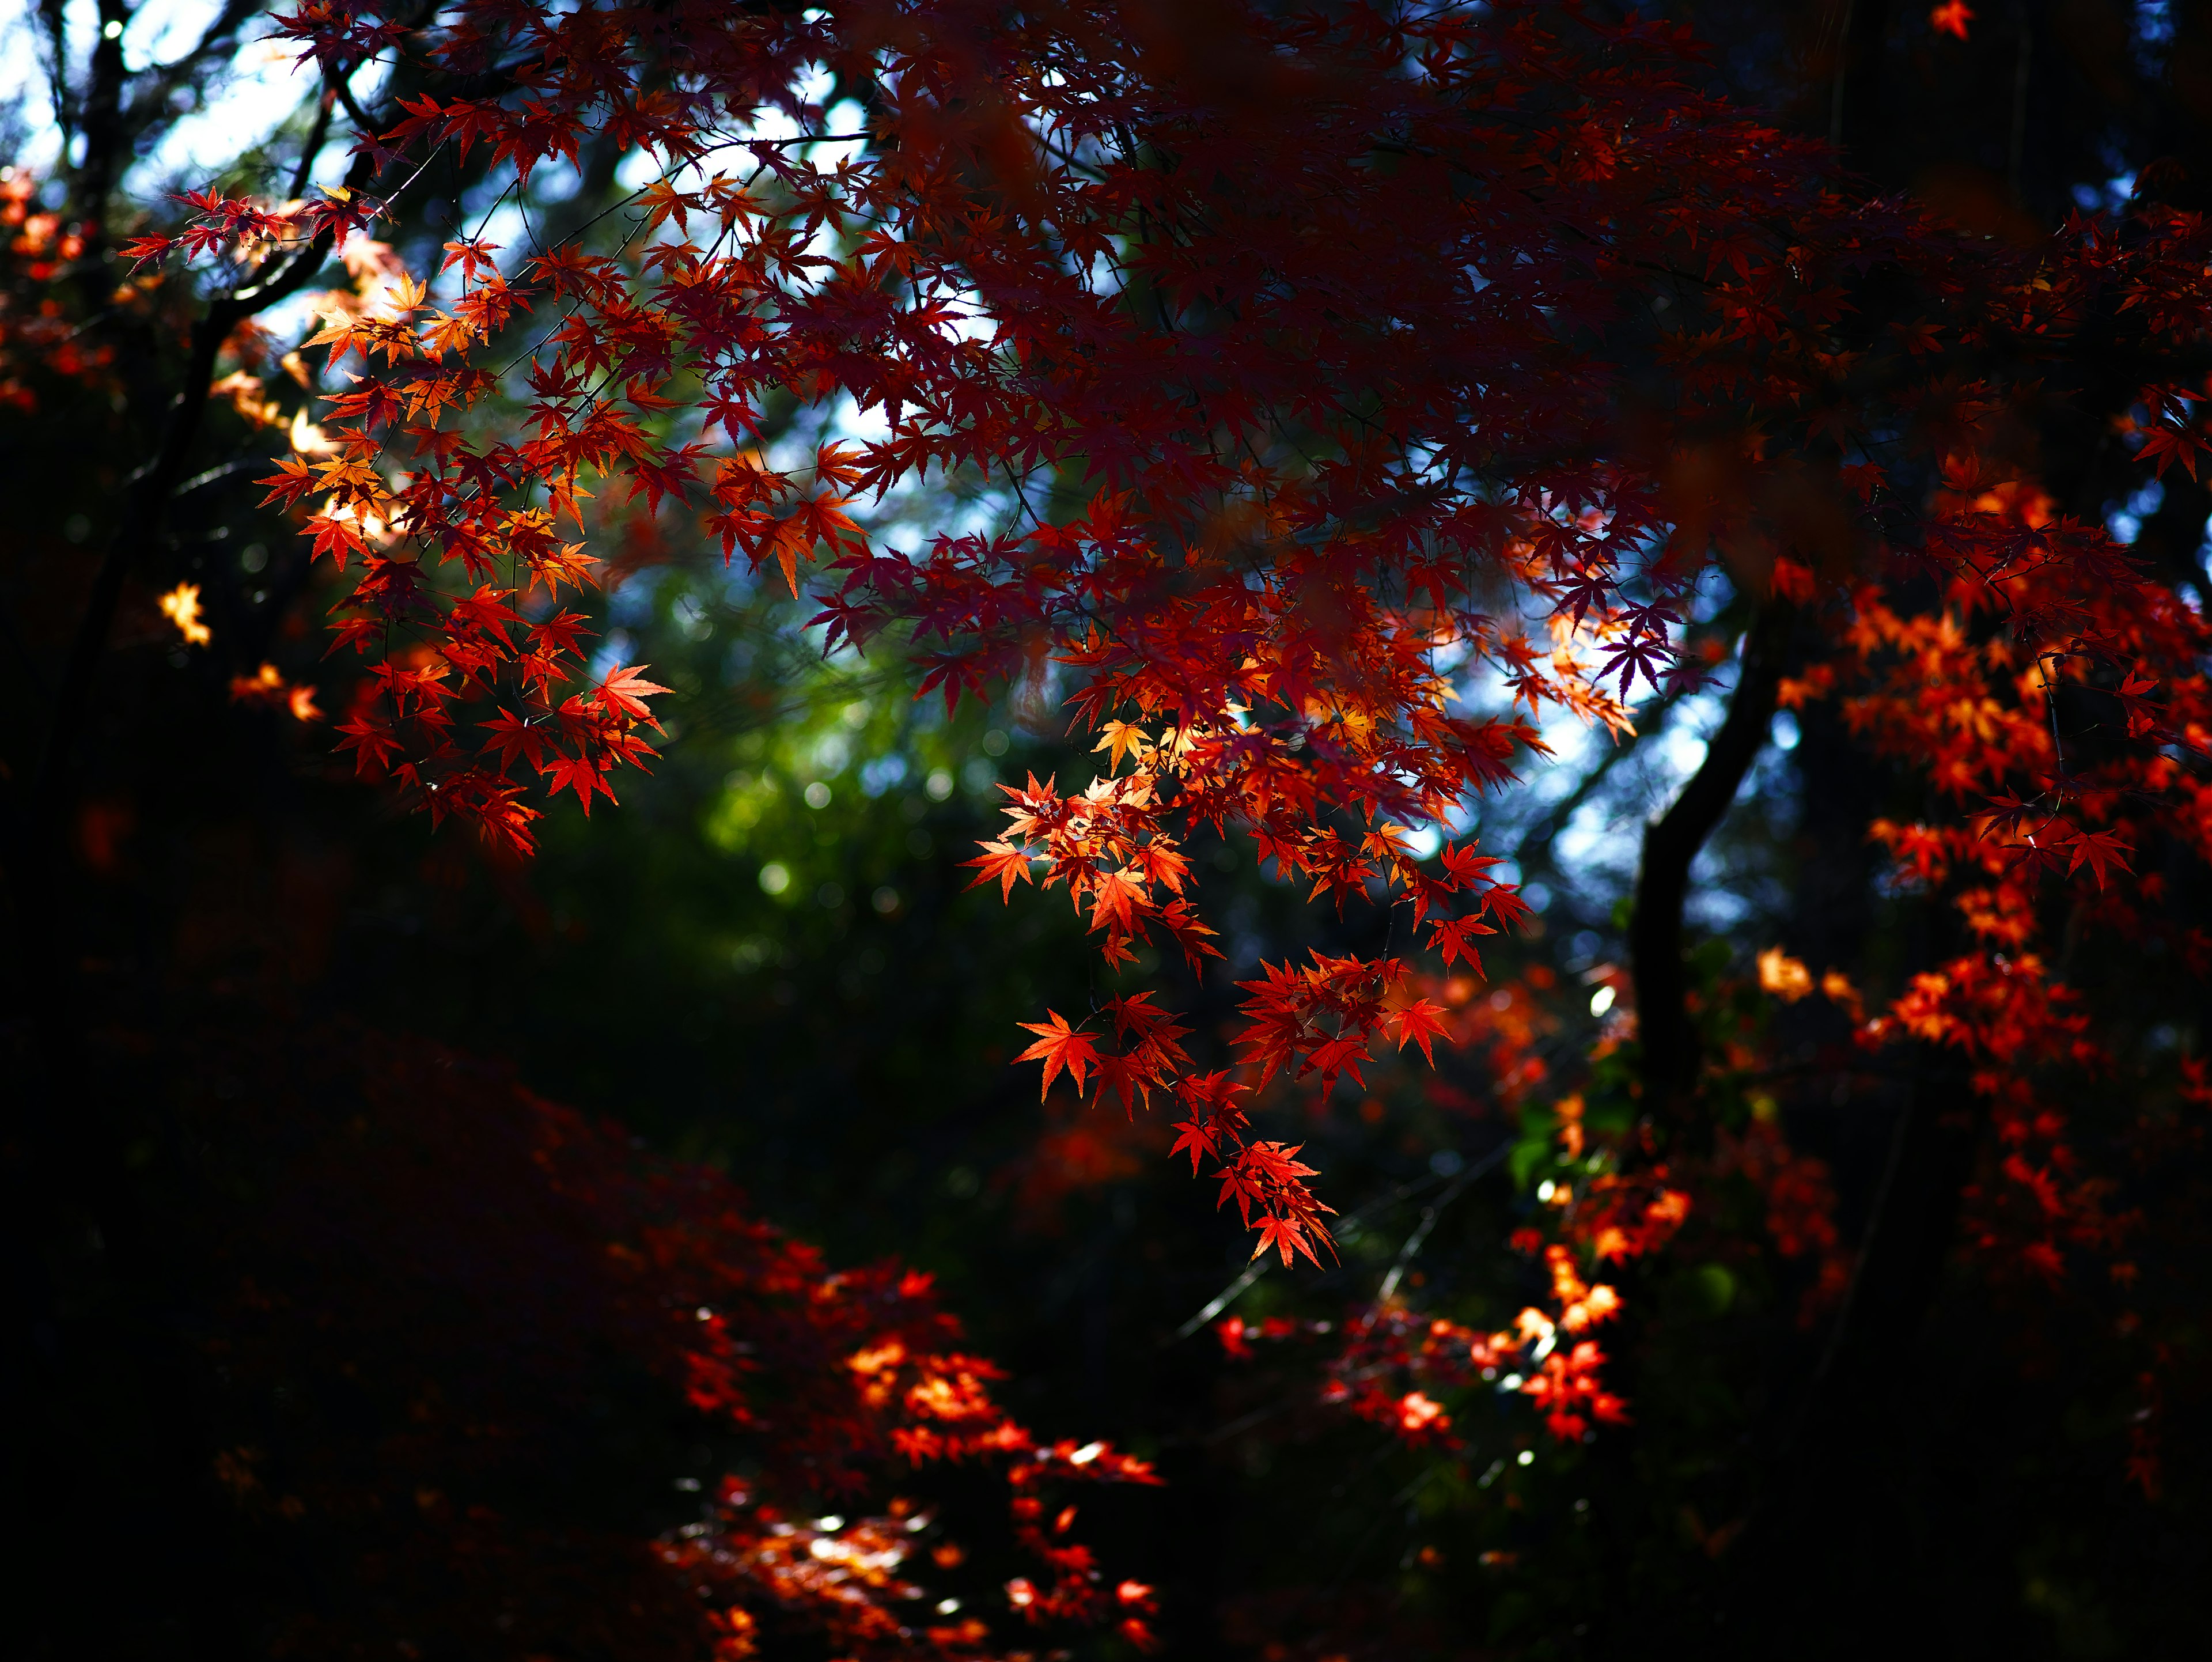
{"x": 1371, "y": 388}
{"x": 1363, "y": 484}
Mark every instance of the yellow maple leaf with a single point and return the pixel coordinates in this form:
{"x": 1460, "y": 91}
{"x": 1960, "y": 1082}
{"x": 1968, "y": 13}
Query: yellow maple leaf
{"x": 1786, "y": 977}
{"x": 181, "y": 606}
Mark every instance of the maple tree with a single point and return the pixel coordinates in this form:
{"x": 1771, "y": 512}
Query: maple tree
{"x": 1343, "y": 451}
{"x": 1279, "y": 615}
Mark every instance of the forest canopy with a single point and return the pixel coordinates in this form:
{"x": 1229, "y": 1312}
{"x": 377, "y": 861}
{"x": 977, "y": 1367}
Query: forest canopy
{"x": 1599, "y": 610}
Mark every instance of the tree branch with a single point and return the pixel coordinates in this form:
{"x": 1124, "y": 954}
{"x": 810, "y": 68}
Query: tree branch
{"x": 209, "y": 55}
{"x": 1671, "y": 844}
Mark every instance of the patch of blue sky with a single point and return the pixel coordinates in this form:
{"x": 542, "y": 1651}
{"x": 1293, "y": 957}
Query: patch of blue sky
{"x": 884, "y": 773}
{"x": 1712, "y": 596}
{"x": 2154, "y": 34}
{"x": 246, "y": 105}
{"x": 2126, "y": 523}
{"x": 614, "y": 650}
{"x": 2109, "y": 197}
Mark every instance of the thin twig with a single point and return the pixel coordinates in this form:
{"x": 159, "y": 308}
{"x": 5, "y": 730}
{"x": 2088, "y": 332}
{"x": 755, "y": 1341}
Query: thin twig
{"x": 1429, "y": 1213}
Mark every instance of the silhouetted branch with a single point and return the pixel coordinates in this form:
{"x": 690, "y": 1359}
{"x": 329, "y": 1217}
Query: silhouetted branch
{"x": 1671, "y": 844}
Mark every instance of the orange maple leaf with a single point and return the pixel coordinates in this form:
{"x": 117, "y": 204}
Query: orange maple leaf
{"x": 1121, "y": 738}
{"x": 1060, "y": 1046}
{"x": 1115, "y": 898}
{"x": 1004, "y": 861}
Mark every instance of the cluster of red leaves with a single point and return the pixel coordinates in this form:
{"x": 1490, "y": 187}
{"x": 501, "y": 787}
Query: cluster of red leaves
{"x": 433, "y": 651}
{"x": 1800, "y": 1207}
{"x": 1334, "y": 402}
{"x": 2015, "y": 1025}
{"x": 1075, "y": 1152}
{"x": 535, "y": 1244}
{"x": 36, "y": 335}
{"x": 907, "y": 1396}
{"x": 1112, "y": 850}
{"x": 1505, "y": 1025}
{"x": 1605, "y": 1200}
{"x": 243, "y": 231}
{"x": 2056, "y": 756}
{"x": 1391, "y": 1359}
{"x": 852, "y": 1575}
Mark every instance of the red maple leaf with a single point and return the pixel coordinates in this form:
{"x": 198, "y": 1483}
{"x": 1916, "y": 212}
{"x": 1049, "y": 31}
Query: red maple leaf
{"x": 581, "y": 774}
{"x": 1420, "y": 1021}
{"x": 512, "y": 736}
{"x": 623, "y": 693}
{"x": 1285, "y": 1235}
{"x": 1950, "y": 18}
